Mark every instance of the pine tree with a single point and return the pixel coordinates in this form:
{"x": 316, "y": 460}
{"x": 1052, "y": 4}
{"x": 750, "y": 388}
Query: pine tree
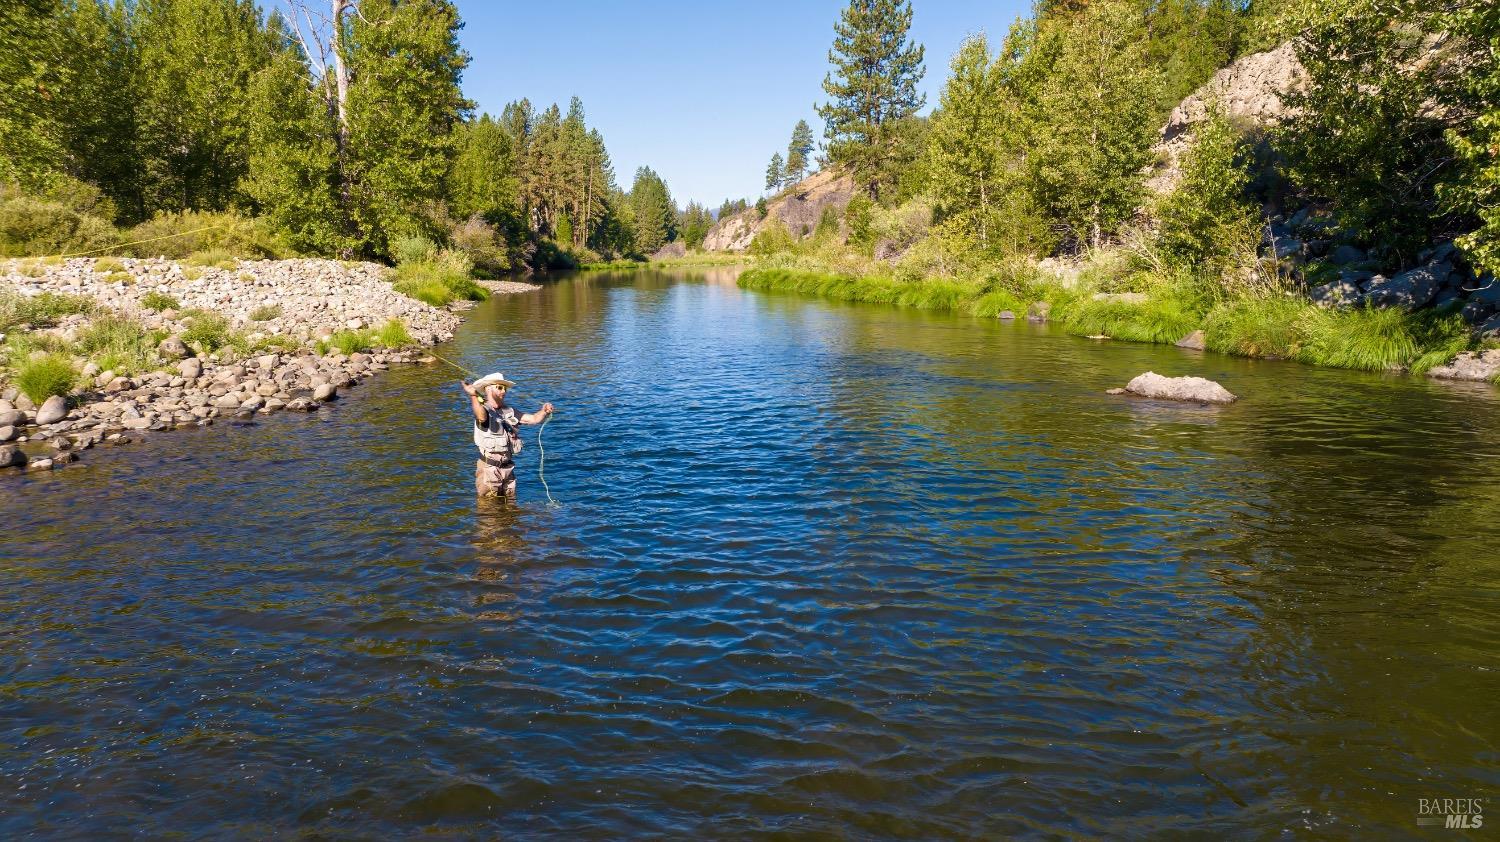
{"x": 797, "y": 152}
{"x": 775, "y": 173}
{"x": 292, "y": 173}
{"x": 483, "y": 179}
{"x": 873, "y": 88}
{"x": 1095, "y": 118}
{"x": 652, "y": 211}
{"x": 404, "y": 101}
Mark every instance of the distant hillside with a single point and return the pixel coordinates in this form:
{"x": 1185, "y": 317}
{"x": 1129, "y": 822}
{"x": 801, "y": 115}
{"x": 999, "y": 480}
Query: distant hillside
{"x": 798, "y": 208}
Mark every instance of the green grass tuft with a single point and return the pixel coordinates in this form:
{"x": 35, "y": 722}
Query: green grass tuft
{"x": 439, "y": 281}
{"x": 265, "y": 313}
{"x": 42, "y": 310}
{"x": 106, "y": 265}
{"x": 118, "y": 343}
{"x": 159, "y": 301}
{"x": 351, "y": 341}
{"x": 393, "y": 334}
{"x": 207, "y": 331}
{"x": 217, "y": 258}
{"x": 47, "y": 375}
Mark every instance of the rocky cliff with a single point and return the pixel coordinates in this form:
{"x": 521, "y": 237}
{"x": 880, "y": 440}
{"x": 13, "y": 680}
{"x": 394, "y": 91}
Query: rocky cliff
{"x": 1249, "y": 92}
{"x": 798, "y": 208}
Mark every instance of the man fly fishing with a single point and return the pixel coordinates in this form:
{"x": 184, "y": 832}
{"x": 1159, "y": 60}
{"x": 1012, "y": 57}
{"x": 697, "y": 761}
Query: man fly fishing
{"x": 497, "y": 434}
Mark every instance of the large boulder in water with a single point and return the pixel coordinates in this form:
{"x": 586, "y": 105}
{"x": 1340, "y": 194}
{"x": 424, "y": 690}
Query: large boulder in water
{"x": 1153, "y": 385}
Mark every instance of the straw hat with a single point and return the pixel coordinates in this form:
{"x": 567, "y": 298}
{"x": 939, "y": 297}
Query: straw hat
{"x": 496, "y": 379}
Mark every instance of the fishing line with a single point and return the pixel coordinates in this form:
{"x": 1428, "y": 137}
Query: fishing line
{"x": 541, "y": 468}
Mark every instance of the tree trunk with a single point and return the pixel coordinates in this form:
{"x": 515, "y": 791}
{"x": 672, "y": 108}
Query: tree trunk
{"x": 341, "y": 111}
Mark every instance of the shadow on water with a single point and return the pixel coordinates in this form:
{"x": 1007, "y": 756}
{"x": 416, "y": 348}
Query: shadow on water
{"x": 820, "y": 570}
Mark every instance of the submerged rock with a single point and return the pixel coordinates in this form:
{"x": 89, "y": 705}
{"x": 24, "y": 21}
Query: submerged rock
{"x": 1153, "y": 385}
{"x": 1194, "y": 341}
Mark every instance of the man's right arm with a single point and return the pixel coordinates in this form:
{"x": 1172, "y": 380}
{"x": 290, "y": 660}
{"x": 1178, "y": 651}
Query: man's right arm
{"x": 476, "y": 404}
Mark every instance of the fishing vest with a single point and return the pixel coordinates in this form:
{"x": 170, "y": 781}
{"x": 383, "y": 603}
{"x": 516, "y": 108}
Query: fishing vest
{"x": 499, "y": 437}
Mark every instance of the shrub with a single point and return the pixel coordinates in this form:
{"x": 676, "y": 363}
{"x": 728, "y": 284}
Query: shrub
{"x": 772, "y": 239}
{"x": 1209, "y": 218}
{"x": 108, "y": 265}
{"x": 483, "y": 243}
{"x": 216, "y": 257}
{"x": 438, "y": 281}
{"x": 156, "y": 300}
{"x": 265, "y": 313}
{"x": 413, "y": 249}
{"x": 207, "y": 331}
{"x": 393, "y": 334}
{"x": 32, "y": 225}
{"x": 42, "y": 310}
{"x": 47, "y": 375}
{"x": 177, "y": 235}
{"x": 859, "y": 220}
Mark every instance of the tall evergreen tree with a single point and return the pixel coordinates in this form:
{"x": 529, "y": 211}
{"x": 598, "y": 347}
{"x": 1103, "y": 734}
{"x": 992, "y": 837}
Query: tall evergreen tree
{"x": 483, "y": 179}
{"x": 797, "y": 152}
{"x": 1095, "y": 118}
{"x": 873, "y": 88}
{"x": 775, "y": 173}
{"x": 652, "y": 211}
{"x": 404, "y": 101}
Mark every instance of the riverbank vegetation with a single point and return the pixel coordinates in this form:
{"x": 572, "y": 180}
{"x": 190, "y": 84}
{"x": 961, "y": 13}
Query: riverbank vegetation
{"x": 178, "y": 127}
{"x": 1356, "y": 230}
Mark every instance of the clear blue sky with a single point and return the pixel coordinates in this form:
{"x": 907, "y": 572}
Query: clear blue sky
{"x": 701, "y": 92}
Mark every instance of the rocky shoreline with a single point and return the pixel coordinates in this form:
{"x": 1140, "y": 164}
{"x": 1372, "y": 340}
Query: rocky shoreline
{"x": 285, "y": 313}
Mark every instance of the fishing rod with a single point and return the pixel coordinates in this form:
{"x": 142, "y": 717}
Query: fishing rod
{"x": 541, "y": 468}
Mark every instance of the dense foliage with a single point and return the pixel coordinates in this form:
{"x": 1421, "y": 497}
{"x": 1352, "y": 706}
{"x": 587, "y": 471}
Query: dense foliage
{"x": 341, "y": 132}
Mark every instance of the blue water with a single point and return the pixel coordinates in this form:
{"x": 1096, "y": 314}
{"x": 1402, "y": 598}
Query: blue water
{"x": 815, "y": 570}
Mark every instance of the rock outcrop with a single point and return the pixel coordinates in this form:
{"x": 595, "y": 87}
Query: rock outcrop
{"x": 798, "y": 208}
{"x": 1249, "y": 91}
{"x": 1468, "y": 366}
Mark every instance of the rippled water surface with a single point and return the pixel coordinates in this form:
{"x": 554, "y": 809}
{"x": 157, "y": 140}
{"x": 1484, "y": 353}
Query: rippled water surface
{"x": 815, "y": 569}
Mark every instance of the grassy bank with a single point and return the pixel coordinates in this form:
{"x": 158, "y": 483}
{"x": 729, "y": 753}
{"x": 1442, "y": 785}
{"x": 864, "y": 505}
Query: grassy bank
{"x": 688, "y": 260}
{"x": 1277, "y": 326}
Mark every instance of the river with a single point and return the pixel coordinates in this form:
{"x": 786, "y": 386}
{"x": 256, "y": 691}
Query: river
{"x": 813, "y": 569}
